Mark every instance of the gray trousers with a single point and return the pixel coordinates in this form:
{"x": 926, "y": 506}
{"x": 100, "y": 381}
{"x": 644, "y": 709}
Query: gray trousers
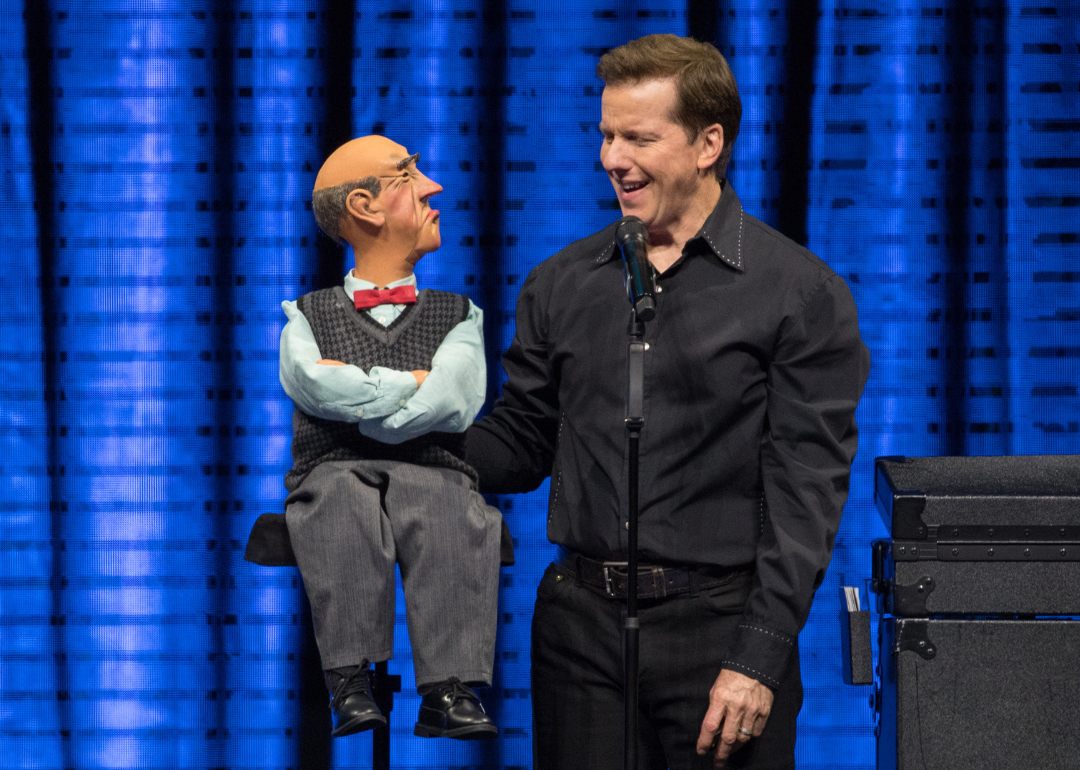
{"x": 351, "y": 521}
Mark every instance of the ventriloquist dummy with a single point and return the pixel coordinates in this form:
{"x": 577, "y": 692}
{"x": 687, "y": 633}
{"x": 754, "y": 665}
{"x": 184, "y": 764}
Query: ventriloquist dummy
{"x": 385, "y": 379}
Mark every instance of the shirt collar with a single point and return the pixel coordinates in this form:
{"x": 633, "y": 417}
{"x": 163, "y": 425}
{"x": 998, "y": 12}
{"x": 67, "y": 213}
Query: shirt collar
{"x": 721, "y": 233}
{"x": 354, "y": 284}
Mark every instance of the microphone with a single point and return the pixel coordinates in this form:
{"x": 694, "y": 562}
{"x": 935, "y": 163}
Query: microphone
{"x": 633, "y": 239}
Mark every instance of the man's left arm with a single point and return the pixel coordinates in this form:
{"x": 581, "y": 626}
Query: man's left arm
{"x": 815, "y": 380}
{"x": 450, "y": 397}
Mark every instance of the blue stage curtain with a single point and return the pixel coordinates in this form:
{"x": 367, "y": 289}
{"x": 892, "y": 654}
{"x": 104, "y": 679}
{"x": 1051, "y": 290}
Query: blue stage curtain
{"x": 30, "y": 577}
{"x": 158, "y": 159}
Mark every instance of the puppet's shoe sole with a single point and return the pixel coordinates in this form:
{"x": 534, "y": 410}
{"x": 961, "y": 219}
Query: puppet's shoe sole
{"x": 465, "y": 733}
{"x": 358, "y": 724}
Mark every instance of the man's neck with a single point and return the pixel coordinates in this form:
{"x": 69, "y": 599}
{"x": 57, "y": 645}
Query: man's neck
{"x": 666, "y": 246}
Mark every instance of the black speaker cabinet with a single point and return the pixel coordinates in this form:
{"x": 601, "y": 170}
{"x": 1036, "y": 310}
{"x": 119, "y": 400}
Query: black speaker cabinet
{"x": 976, "y": 672}
{"x": 979, "y": 535}
{"x": 977, "y": 694}
{"x": 947, "y": 499}
{"x": 928, "y": 587}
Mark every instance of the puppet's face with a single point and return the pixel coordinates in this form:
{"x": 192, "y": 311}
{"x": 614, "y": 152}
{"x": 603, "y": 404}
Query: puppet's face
{"x": 405, "y": 197}
{"x": 400, "y": 217}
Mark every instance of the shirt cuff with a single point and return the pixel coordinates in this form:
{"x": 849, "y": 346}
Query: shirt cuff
{"x": 395, "y": 389}
{"x": 760, "y": 653}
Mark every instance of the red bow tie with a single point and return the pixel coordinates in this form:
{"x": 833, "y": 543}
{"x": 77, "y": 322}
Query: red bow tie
{"x": 399, "y": 295}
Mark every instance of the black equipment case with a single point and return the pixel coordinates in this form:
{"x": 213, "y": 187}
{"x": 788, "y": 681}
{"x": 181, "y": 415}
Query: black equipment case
{"x": 973, "y": 672}
{"x": 979, "y": 535}
{"x": 977, "y": 694}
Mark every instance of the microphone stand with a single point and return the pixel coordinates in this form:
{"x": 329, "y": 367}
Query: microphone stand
{"x": 632, "y": 237}
{"x": 635, "y": 420}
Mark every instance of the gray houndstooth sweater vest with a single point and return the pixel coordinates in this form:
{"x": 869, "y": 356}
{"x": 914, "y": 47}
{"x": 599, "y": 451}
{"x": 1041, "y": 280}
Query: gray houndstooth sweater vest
{"x": 354, "y": 337}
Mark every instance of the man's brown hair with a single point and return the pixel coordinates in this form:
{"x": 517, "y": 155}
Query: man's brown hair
{"x": 706, "y": 89}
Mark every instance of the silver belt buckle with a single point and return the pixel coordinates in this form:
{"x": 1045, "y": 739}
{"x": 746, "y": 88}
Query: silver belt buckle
{"x": 607, "y": 576}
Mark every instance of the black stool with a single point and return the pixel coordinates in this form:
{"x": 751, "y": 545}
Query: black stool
{"x": 269, "y": 546}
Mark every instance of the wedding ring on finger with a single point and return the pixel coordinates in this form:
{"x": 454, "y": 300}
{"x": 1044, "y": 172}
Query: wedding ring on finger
{"x": 747, "y": 733}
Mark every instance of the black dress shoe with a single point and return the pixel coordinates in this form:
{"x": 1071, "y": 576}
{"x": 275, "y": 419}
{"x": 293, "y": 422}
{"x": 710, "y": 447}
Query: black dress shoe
{"x": 351, "y": 705}
{"x": 452, "y": 710}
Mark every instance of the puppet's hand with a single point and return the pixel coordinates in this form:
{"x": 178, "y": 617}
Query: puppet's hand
{"x": 420, "y": 375}
{"x": 329, "y": 362}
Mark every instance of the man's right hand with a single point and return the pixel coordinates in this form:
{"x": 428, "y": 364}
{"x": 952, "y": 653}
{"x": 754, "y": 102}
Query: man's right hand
{"x": 738, "y": 709}
{"x": 420, "y": 375}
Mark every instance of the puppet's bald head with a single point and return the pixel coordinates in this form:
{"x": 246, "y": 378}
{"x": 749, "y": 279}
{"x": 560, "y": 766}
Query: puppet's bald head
{"x": 368, "y": 156}
{"x": 370, "y": 193}
{"x": 356, "y": 165}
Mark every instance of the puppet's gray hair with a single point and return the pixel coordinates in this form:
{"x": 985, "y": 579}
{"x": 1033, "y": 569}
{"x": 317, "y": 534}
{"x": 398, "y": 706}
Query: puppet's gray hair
{"x": 328, "y": 204}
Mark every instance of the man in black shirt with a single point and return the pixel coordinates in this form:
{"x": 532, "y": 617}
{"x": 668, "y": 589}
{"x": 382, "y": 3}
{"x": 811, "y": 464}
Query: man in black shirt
{"x": 754, "y": 367}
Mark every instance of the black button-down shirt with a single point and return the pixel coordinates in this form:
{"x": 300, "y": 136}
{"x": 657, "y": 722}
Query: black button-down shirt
{"x": 753, "y": 371}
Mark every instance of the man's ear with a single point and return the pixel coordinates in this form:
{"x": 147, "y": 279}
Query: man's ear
{"x": 365, "y": 207}
{"x": 711, "y": 147}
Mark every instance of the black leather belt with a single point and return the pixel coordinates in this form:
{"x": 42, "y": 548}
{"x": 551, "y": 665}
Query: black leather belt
{"x": 653, "y": 582}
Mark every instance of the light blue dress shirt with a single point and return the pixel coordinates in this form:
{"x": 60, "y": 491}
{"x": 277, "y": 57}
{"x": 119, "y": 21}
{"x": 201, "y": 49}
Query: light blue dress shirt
{"x": 385, "y": 403}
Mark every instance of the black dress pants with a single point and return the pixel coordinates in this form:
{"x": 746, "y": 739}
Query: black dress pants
{"x": 577, "y": 679}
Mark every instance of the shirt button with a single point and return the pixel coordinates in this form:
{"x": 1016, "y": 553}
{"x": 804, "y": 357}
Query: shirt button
{"x": 659, "y": 289}
{"x": 382, "y": 320}
{"x": 626, "y": 525}
{"x": 646, "y": 345}
{"x": 401, "y": 402}
{"x": 359, "y": 412}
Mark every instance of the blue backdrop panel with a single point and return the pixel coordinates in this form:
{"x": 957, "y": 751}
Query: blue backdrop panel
{"x": 862, "y": 178}
{"x": 158, "y": 160}
{"x": 29, "y": 721}
{"x": 920, "y": 174}
{"x": 266, "y": 153}
{"x": 1042, "y": 187}
{"x": 134, "y": 616}
{"x": 751, "y": 36}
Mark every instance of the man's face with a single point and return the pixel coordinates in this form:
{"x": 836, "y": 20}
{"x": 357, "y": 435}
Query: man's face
{"x": 647, "y": 157}
{"x": 405, "y": 197}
